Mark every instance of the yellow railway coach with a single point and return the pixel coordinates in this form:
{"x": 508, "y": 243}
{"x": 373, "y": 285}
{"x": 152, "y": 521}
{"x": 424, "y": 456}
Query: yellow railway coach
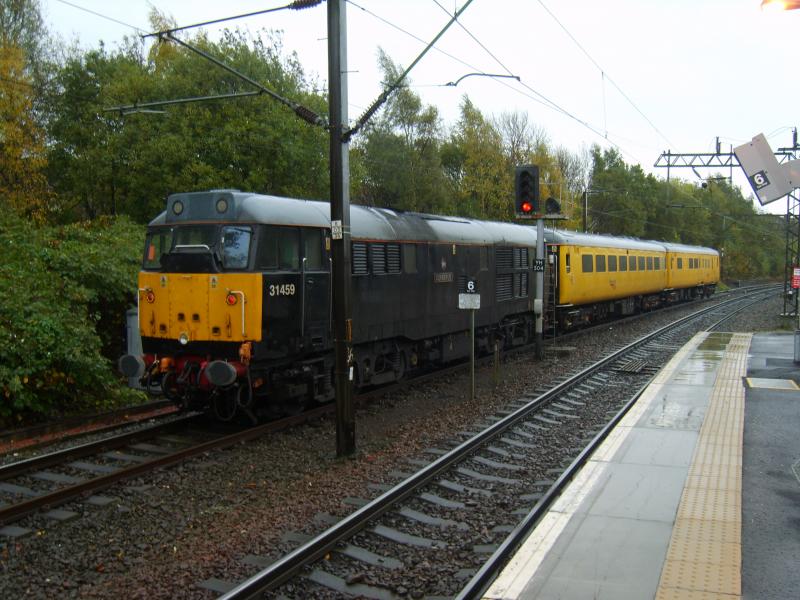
{"x": 593, "y": 277}
{"x": 692, "y": 271}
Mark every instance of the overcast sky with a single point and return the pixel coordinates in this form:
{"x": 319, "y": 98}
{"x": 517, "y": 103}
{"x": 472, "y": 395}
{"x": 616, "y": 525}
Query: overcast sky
{"x": 643, "y": 76}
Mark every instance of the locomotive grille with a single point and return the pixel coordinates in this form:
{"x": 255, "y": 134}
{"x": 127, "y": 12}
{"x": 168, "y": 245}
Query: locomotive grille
{"x": 505, "y": 287}
{"x": 393, "y": 258}
{"x": 359, "y": 258}
{"x": 504, "y": 257}
{"x": 520, "y": 258}
{"x": 377, "y": 255}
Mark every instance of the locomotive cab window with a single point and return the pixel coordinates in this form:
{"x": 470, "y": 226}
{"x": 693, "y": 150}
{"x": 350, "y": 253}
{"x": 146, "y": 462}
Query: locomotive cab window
{"x": 312, "y": 249}
{"x": 278, "y": 249}
{"x": 158, "y": 242}
{"x": 236, "y": 247}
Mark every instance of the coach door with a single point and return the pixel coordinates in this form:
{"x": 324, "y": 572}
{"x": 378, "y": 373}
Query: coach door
{"x": 316, "y": 292}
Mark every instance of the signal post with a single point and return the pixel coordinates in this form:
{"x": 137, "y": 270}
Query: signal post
{"x": 527, "y": 205}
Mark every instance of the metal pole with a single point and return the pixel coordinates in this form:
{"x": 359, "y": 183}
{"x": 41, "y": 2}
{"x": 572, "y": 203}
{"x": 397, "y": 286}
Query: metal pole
{"x": 585, "y": 208}
{"x": 340, "y": 244}
{"x": 472, "y": 354}
{"x": 539, "y": 289}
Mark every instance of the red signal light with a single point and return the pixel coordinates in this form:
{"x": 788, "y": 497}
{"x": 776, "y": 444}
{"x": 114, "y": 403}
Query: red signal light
{"x": 526, "y": 207}
{"x": 150, "y": 296}
{"x": 231, "y": 299}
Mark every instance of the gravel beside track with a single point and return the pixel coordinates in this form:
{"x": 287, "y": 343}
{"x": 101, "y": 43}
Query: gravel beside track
{"x": 160, "y": 536}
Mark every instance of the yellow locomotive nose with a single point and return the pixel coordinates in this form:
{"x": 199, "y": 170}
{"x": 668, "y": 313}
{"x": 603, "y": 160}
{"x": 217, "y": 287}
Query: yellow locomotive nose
{"x": 200, "y": 307}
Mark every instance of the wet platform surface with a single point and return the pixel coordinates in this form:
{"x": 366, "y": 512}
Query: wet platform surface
{"x": 658, "y": 510}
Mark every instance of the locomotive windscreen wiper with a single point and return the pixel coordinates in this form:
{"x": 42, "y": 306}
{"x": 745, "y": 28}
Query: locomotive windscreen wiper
{"x": 193, "y": 247}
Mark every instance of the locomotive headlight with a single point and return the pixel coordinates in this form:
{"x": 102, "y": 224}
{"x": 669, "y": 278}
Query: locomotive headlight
{"x": 183, "y": 338}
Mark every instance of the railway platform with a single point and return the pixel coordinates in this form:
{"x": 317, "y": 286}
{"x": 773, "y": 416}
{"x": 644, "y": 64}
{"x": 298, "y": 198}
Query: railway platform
{"x": 695, "y": 494}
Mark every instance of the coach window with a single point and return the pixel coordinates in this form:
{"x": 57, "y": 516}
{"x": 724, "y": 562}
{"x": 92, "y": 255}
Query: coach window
{"x": 566, "y": 262}
{"x": 680, "y": 263}
{"x": 612, "y": 263}
{"x": 587, "y": 263}
{"x": 600, "y": 263}
{"x": 631, "y": 263}
{"x": 641, "y": 263}
{"x": 649, "y": 263}
{"x": 312, "y": 249}
{"x": 623, "y": 263}
{"x": 657, "y": 263}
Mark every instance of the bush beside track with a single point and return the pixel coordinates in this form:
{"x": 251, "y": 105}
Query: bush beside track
{"x": 64, "y": 291}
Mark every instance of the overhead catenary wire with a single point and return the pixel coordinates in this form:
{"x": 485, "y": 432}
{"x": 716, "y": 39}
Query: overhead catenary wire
{"x": 102, "y": 16}
{"x": 296, "y": 5}
{"x": 534, "y": 94}
{"x": 605, "y": 73}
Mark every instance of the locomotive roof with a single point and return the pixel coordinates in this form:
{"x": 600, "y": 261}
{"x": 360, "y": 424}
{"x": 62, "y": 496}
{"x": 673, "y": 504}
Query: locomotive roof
{"x": 574, "y": 238}
{"x": 366, "y": 222}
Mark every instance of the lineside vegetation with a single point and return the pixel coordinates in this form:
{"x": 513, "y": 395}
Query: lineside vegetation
{"x": 77, "y": 183}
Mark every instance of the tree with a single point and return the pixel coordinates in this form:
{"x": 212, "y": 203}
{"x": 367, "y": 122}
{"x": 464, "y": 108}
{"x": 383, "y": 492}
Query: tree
{"x": 22, "y": 159}
{"x": 479, "y": 170}
{"x": 136, "y": 159}
{"x": 401, "y": 153}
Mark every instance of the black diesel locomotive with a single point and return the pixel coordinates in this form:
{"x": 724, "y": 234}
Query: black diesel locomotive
{"x": 234, "y": 298}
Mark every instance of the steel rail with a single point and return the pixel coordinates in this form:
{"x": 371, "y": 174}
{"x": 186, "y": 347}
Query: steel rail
{"x": 16, "y": 511}
{"x": 101, "y": 420}
{"x": 481, "y": 581}
{"x": 18, "y": 468}
{"x": 286, "y": 567}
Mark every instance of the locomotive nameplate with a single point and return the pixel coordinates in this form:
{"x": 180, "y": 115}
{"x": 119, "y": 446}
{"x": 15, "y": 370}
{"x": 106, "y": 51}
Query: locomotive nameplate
{"x": 442, "y": 277}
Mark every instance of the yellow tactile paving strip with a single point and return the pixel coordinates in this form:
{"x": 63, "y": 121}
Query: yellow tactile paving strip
{"x": 705, "y": 552}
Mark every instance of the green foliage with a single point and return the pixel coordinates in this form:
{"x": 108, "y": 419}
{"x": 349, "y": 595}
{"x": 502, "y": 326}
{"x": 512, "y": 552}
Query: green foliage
{"x": 135, "y": 160}
{"x": 62, "y": 291}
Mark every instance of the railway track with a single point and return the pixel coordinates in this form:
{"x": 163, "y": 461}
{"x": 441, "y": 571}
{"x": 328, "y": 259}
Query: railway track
{"x": 467, "y": 506}
{"x": 49, "y": 480}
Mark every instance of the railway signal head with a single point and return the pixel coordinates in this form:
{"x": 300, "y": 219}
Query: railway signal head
{"x": 526, "y": 191}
